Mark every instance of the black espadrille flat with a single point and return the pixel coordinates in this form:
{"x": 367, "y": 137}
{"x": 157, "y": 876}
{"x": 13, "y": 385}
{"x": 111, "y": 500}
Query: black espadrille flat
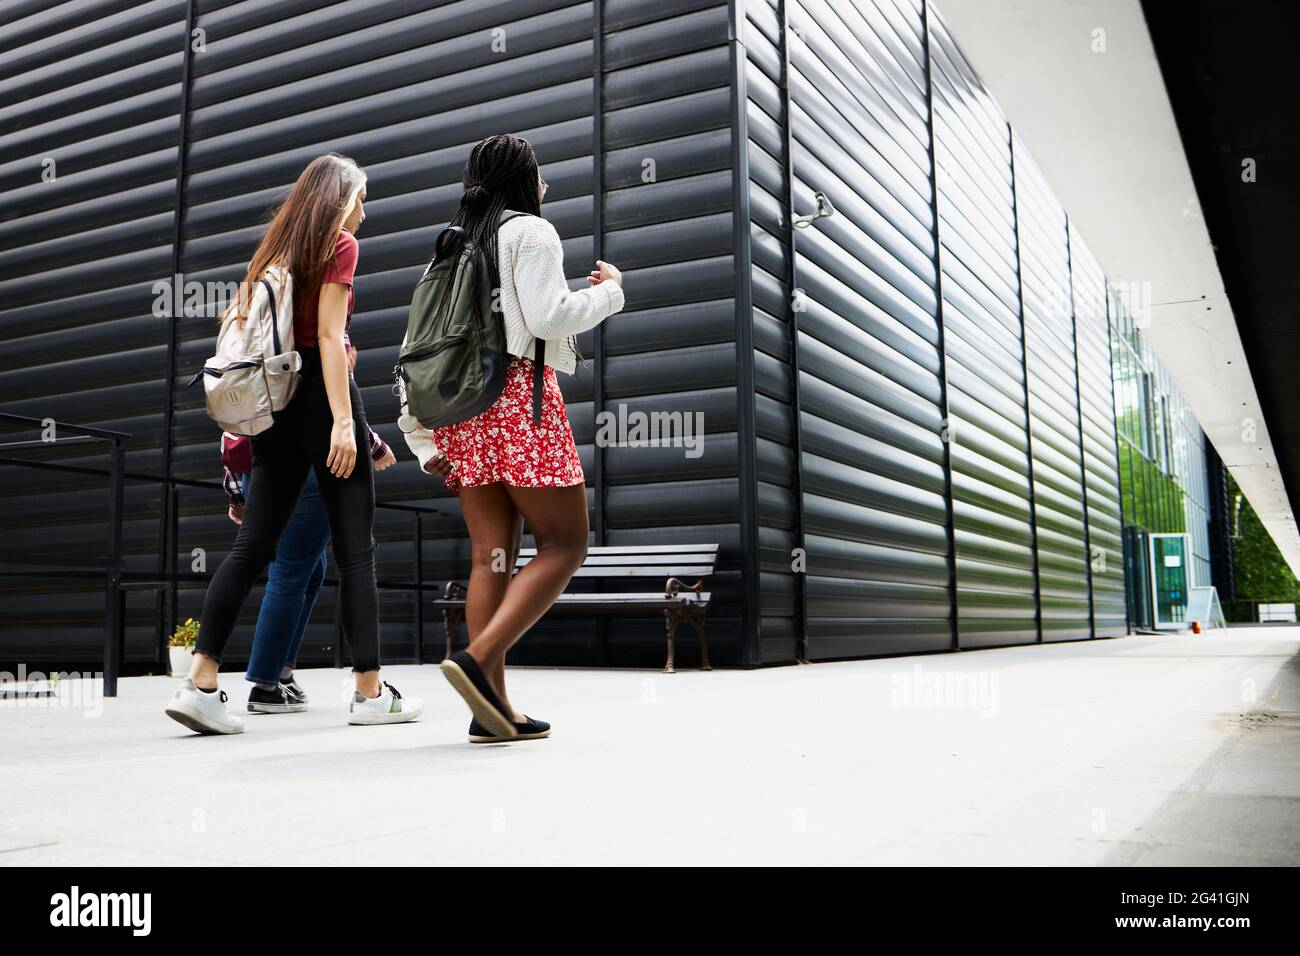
{"x": 468, "y": 679}
{"x": 530, "y": 729}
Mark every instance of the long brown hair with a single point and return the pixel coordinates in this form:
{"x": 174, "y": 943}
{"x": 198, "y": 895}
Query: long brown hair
{"x": 304, "y": 229}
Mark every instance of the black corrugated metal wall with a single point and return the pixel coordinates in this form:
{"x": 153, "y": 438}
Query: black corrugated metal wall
{"x": 951, "y": 414}
{"x": 405, "y": 88}
{"x": 992, "y": 468}
{"x": 1101, "y": 465}
{"x": 1060, "y": 505}
{"x": 90, "y": 99}
{"x": 414, "y": 85}
{"x": 949, "y": 460}
{"x": 869, "y": 399}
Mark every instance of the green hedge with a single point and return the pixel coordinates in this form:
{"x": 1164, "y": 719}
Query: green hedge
{"x": 1261, "y": 571}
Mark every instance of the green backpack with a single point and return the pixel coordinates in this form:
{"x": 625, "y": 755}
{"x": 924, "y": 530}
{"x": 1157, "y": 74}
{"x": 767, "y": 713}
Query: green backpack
{"x": 452, "y": 363}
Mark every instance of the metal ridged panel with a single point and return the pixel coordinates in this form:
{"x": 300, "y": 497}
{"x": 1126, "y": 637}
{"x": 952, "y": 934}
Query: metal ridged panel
{"x": 392, "y": 62}
{"x": 664, "y": 93}
{"x": 668, "y": 193}
{"x": 992, "y": 506}
{"x": 871, "y": 467}
{"x": 1193, "y": 469}
{"x": 777, "y": 511}
{"x": 1059, "y": 501}
{"x": 408, "y": 88}
{"x": 91, "y": 94}
{"x": 1105, "y": 526}
{"x": 844, "y": 456}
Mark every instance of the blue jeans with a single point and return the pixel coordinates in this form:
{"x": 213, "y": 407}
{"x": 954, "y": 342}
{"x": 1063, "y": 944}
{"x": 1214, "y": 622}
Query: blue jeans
{"x": 293, "y": 581}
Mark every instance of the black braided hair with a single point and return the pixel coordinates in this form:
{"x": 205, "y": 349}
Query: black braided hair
{"x": 500, "y": 174}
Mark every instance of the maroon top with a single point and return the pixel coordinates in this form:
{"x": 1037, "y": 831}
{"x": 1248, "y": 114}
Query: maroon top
{"x": 342, "y": 267}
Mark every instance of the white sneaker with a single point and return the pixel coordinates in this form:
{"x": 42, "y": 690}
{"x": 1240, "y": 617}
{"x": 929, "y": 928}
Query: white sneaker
{"x": 203, "y": 713}
{"x": 390, "y": 707}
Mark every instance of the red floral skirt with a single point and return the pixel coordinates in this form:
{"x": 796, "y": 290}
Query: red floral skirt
{"x": 501, "y": 443}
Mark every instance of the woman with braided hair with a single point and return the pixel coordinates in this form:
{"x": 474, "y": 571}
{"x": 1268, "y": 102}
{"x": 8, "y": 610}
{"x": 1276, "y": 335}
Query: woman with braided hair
{"x": 505, "y": 469}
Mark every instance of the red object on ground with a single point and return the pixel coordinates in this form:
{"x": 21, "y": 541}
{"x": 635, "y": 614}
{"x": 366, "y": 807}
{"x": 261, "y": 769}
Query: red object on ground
{"x": 1196, "y": 627}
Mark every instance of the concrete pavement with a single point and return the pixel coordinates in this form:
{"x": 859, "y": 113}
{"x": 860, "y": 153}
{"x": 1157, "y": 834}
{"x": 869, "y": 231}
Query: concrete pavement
{"x": 1143, "y": 750}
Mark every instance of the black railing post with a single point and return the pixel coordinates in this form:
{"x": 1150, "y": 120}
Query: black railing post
{"x": 114, "y": 604}
{"x": 174, "y": 594}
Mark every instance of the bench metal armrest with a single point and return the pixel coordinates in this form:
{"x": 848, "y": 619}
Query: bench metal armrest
{"x": 676, "y": 586}
{"x": 449, "y": 592}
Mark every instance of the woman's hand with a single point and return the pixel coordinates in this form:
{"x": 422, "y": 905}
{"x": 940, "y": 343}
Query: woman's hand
{"x": 387, "y": 460}
{"x": 332, "y": 317}
{"x": 605, "y": 271}
{"x": 236, "y": 514}
{"x": 343, "y": 449}
{"x": 438, "y": 465}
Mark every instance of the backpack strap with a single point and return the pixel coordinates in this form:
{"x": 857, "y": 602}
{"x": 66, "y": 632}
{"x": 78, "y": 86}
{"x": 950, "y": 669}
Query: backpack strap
{"x": 275, "y": 323}
{"x": 539, "y": 373}
{"x": 441, "y": 249}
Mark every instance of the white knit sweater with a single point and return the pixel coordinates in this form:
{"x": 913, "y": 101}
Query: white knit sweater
{"x": 535, "y": 298}
{"x": 536, "y": 303}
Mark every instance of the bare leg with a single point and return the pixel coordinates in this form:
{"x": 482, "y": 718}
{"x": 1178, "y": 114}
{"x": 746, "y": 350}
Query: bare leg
{"x": 497, "y": 675}
{"x": 495, "y": 528}
{"x": 557, "y": 518}
{"x": 203, "y": 670}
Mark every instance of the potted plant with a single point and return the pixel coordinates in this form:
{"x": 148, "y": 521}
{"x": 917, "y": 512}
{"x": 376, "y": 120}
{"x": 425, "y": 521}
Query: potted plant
{"x": 181, "y": 646}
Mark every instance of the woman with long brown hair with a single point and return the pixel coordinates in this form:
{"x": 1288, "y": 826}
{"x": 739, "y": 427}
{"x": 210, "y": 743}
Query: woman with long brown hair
{"x": 506, "y": 469}
{"x": 320, "y": 430}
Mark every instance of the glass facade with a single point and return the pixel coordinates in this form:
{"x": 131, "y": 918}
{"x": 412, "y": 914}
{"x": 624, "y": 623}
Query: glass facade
{"x": 1162, "y": 463}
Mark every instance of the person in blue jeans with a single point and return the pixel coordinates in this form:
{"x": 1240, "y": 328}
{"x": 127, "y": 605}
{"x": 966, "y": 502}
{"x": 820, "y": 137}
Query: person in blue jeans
{"x": 293, "y": 579}
{"x": 293, "y": 582}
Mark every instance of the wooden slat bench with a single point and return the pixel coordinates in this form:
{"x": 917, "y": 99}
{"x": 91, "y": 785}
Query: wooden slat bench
{"x": 673, "y": 564}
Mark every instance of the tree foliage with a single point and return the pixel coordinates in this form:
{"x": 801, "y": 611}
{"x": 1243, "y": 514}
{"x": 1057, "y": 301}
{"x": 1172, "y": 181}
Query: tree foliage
{"x": 1261, "y": 571}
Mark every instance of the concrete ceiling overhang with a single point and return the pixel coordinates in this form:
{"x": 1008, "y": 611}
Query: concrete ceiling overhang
{"x": 1080, "y": 83}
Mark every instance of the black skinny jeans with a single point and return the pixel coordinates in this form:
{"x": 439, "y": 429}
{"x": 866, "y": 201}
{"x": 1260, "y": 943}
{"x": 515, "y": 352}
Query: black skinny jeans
{"x": 299, "y": 440}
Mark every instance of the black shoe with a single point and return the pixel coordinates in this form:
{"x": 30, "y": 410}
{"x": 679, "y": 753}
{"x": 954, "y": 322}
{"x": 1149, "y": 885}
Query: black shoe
{"x": 464, "y": 674}
{"x": 295, "y": 689}
{"x": 530, "y": 729}
{"x": 277, "y": 701}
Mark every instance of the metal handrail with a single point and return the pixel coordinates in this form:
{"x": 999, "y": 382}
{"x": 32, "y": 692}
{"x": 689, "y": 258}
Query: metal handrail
{"x": 118, "y": 581}
{"x": 107, "y": 433}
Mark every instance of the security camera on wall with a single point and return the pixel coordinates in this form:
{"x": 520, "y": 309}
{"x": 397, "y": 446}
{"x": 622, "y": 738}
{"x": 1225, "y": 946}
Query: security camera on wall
{"x": 824, "y": 210}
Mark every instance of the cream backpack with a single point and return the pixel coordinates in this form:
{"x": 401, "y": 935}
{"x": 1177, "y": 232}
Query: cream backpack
{"x": 255, "y": 369}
